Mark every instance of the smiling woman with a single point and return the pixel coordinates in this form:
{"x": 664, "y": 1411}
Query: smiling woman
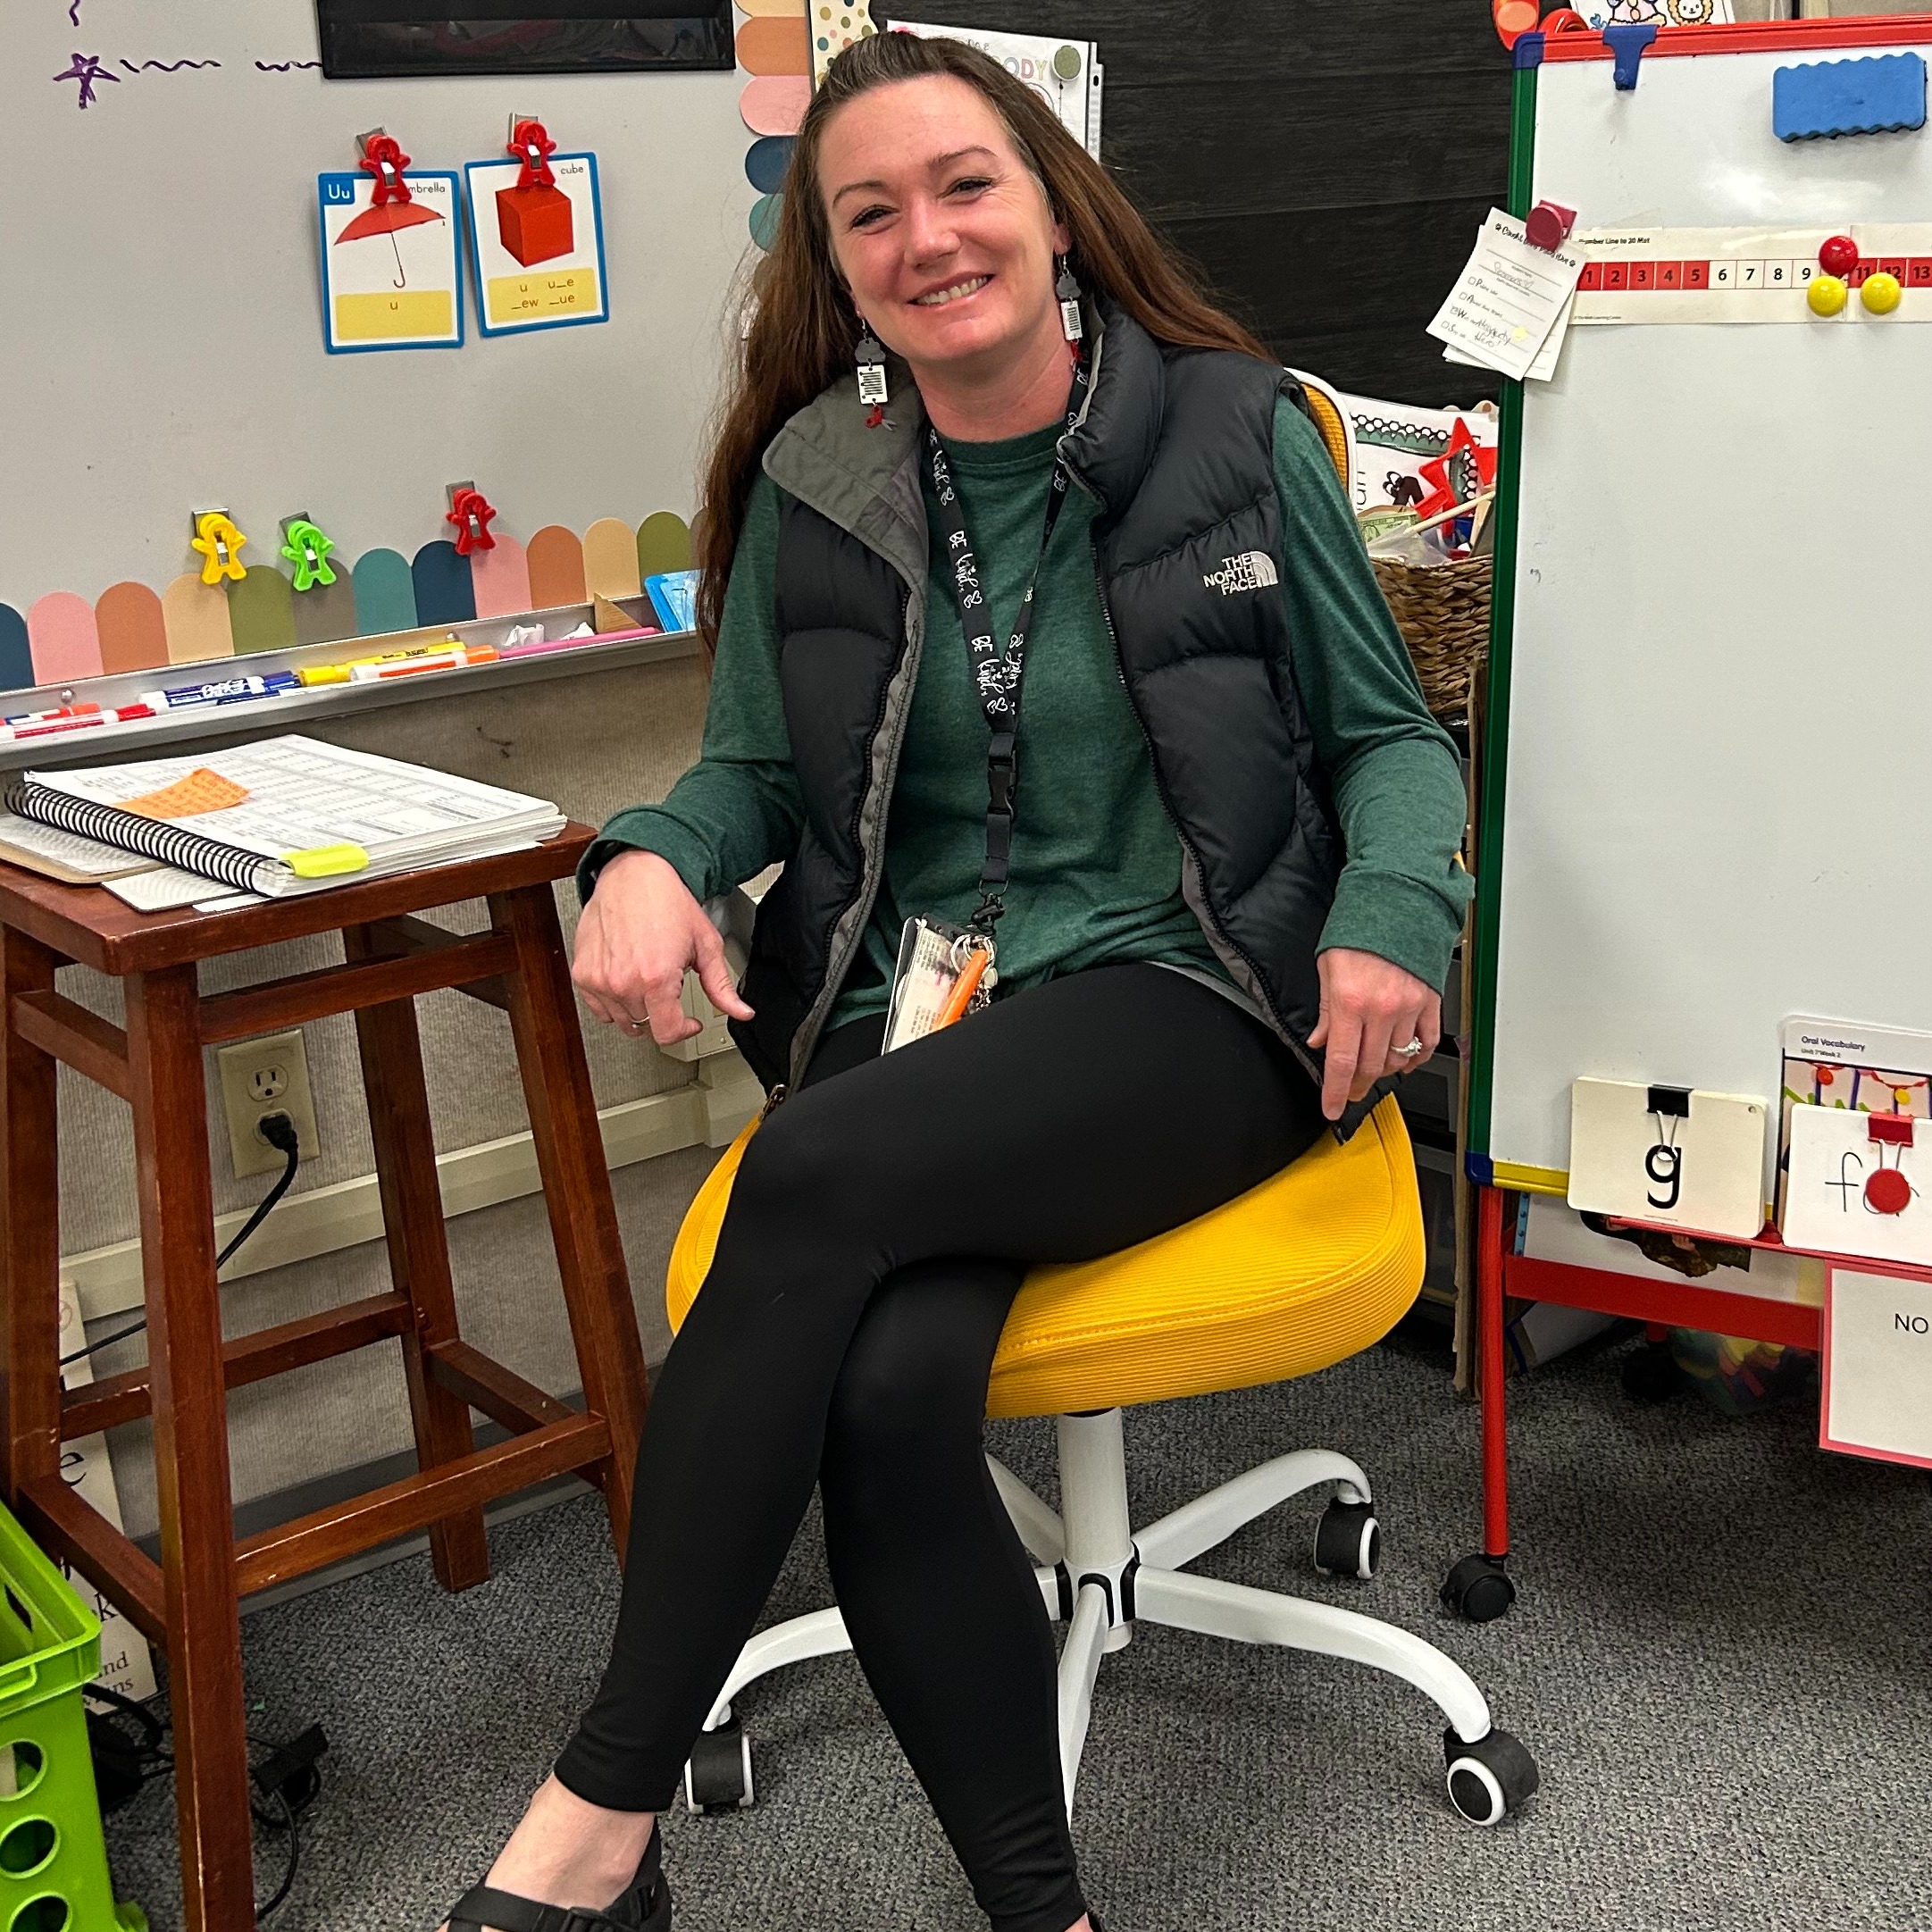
{"x": 1213, "y": 859}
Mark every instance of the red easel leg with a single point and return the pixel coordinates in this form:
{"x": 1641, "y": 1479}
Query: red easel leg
{"x": 1489, "y": 1329}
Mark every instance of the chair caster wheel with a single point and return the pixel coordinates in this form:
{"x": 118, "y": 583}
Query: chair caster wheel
{"x": 1490, "y": 1778}
{"x": 1478, "y": 1590}
{"x": 1651, "y": 1373}
{"x": 718, "y": 1775}
{"x": 1348, "y": 1540}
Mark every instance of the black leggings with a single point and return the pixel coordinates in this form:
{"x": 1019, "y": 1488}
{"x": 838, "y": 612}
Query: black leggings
{"x": 878, "y": 1230}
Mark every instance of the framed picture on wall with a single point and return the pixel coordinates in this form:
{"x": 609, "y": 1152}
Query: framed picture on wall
{"x": 367, "y": 39}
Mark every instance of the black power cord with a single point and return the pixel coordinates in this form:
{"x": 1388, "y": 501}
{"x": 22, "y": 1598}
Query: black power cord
{"x": 278, "y": 1130}
{"x": 287, "y": 1776}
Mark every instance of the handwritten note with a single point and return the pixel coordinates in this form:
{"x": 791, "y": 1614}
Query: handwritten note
{"x": 1508, "y": 299}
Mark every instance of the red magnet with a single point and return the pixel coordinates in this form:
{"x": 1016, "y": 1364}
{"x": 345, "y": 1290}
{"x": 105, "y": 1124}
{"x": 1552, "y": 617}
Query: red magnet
{"x": 471, "y": 511}
{"x": 1839, "y": 255}
{"x": 533, "y": 146}
{"x": 1887, "y": 1192}
{"x": 1548, "y": 224}
{"x": 1564, "y": 21}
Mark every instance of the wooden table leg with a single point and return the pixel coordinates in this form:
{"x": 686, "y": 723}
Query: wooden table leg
{"x": 30, "y": 1230}
{"x": 419, "y": 1255}
{"x": 191, "y": 1467}
{"x": 576, "y": 1185}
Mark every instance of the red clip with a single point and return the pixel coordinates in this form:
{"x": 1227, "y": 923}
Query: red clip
{"x": 471, "y": 513}
{"x": 1891, "y": 1129}
{"x": 383, "y": 157}
{"x": 533, "y": 147}
{"x": 1548, "y": 224}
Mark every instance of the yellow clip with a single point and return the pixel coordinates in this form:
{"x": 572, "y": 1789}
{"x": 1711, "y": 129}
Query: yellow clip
{"x": 219, "y": 542}
{"x": 326, "y": 861}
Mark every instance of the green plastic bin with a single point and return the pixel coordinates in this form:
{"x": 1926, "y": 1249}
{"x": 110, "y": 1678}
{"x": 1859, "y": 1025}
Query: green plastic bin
{"x": 53, "y": 1859}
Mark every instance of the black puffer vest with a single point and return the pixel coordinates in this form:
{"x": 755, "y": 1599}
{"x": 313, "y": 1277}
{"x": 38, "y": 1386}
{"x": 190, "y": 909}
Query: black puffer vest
{"x": 1176, "y": 447}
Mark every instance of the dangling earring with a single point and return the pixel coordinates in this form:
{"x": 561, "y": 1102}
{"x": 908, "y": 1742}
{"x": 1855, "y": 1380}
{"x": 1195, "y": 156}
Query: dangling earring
{"x": 870, "y": 357}
{"x": 1067, "y": 291}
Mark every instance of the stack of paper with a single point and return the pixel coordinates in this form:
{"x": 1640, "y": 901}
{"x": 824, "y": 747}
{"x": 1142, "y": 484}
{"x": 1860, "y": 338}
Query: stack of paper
{"x": 1511, "y": 306}
{"x": 284, "y": 816}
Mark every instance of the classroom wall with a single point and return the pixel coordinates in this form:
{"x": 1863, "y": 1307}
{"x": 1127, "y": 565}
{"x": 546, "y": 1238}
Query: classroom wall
{"x": 1327, "y": 163}
{"x": 593, "y": 742}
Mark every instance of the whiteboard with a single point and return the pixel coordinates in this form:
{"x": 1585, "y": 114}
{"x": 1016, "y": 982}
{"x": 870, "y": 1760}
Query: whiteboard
{"x": 1716, "y": 811}
{"x": 161, "y": 336}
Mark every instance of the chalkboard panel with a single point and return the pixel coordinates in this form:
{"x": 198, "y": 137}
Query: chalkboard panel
{"x": 364, "y": 39}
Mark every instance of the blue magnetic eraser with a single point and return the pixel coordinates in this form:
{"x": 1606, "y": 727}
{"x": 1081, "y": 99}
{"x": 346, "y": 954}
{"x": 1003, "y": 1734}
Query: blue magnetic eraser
{"x": 1885, "y": 95}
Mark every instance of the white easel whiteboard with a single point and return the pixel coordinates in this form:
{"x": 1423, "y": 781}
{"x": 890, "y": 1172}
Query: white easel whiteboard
{"x": 162, "y": 338}
{"x": 1721, "y": 680}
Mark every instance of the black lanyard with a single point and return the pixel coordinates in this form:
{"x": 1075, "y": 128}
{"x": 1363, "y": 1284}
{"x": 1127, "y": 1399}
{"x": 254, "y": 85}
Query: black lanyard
{"x": 996, "y": 676}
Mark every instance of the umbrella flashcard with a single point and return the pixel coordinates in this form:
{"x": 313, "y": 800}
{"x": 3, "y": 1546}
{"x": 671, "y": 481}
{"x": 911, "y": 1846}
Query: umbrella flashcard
{"x": 391, "y": 272}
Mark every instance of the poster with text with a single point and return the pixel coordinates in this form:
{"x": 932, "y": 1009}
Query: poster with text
{"x": 538, "y": 245}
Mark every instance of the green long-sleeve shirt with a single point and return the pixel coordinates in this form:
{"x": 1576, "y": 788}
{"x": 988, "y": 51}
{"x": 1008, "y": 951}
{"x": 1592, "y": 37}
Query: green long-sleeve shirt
{"x": 1096, "y": 861}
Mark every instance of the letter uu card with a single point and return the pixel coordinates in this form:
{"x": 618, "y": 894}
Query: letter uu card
{"x": 1673, "y": 1155}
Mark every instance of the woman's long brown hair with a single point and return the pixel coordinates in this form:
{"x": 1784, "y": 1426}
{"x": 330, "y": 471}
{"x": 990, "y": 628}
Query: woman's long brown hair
{"x": 804, "y": 329}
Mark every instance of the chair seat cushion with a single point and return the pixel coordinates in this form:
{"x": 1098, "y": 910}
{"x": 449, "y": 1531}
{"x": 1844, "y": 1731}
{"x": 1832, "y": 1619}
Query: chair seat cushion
{"x": 1301, "y": 1272}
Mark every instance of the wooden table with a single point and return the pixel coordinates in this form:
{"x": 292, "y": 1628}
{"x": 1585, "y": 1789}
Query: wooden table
{"x": 189, "y": 1603}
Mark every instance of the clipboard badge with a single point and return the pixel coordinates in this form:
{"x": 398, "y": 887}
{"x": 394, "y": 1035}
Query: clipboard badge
{"x": 472, "y": 512}
{"x": 1889, "y": 1190}
{"x": 1664, "y": 1160}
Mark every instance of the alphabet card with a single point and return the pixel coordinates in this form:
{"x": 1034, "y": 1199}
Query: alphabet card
{"x": 1675, "y": 1156}
{"x": 390, "y": 275}
{"x": 537, "y": 232}
{"x": 1858, "y": 1183}
{"x": 1877, "y": 1368}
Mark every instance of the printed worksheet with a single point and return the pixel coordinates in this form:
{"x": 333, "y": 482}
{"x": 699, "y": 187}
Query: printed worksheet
{"x": 1507, "y": 298}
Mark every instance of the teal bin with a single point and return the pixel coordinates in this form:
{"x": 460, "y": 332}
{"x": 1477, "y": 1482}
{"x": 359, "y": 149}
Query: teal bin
{"x": 53, "y": 1859}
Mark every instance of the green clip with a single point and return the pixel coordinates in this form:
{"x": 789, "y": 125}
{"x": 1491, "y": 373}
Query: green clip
{"x": 307, "y": 549}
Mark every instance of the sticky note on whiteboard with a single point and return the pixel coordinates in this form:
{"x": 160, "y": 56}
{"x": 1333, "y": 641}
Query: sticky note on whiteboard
{"x": 1676, "y": 1156}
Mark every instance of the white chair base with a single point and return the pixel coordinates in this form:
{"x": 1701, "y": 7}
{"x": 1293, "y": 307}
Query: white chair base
{"x": 1101, "y": 1578}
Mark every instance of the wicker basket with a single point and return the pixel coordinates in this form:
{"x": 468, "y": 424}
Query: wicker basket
{"x": 1442, "y": 612}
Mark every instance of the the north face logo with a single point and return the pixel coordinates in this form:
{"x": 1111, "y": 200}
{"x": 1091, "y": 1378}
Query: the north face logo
{"x": 1252, "y": 569}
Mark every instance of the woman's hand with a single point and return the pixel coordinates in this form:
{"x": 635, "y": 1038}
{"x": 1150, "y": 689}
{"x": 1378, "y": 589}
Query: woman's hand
{"x": 638, "y": 936}
{"x": 1369, "y": 1007}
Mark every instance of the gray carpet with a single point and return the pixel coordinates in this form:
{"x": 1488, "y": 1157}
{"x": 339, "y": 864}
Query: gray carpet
{"x": 1720, "y": 1661}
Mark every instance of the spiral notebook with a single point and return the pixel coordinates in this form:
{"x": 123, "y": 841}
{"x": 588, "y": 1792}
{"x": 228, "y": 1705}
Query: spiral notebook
{"x": 285, "y": 814}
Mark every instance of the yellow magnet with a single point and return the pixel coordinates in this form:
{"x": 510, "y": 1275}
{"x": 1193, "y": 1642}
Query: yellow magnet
{"x": 1880, "y": 293}
{"x": 1825, "y": 295}
{"x": 220, "y": 543}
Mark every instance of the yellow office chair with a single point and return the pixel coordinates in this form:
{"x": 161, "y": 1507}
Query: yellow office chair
{"x": 1308, "y": 1267}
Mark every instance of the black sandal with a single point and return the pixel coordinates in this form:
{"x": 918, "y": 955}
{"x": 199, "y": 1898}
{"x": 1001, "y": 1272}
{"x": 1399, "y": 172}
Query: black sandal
{"x": 644, "y": 1906}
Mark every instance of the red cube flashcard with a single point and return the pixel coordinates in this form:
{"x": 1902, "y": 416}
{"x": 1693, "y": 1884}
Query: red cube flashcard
{"x": 535, "y": 224}
{"x": 1695, "y": 274}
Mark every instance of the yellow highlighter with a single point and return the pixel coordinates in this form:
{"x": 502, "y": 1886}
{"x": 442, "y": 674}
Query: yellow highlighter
{"x": 344, "y": 673}
{"x": 326, "y": 861}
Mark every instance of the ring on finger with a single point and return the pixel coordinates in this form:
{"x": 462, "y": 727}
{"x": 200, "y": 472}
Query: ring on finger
{"x": 1409, "y": 1051}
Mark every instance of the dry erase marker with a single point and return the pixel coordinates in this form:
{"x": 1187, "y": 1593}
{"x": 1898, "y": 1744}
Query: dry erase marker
{"x": 467, "y": 654}
{"x": 222, "y": 691}
{"x": 345, "y": 671}
{"x": 48, "y": 717}
{"x": 572, "y": 643}
{"x": 13, "y": 734}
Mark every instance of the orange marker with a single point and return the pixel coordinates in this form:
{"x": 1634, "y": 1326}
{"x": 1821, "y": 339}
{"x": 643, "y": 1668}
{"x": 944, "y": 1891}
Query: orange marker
{"x": 963, "y": 988}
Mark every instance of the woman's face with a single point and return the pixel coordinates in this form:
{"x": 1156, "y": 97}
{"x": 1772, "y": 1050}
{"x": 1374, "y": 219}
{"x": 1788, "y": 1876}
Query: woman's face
{"x": 938, "y": 225}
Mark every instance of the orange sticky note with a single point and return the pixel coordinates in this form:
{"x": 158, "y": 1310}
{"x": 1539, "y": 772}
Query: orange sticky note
{"x": 202, "y": 790}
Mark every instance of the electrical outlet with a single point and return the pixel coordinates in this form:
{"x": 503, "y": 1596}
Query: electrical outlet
{"x": 268, "y": 1076}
